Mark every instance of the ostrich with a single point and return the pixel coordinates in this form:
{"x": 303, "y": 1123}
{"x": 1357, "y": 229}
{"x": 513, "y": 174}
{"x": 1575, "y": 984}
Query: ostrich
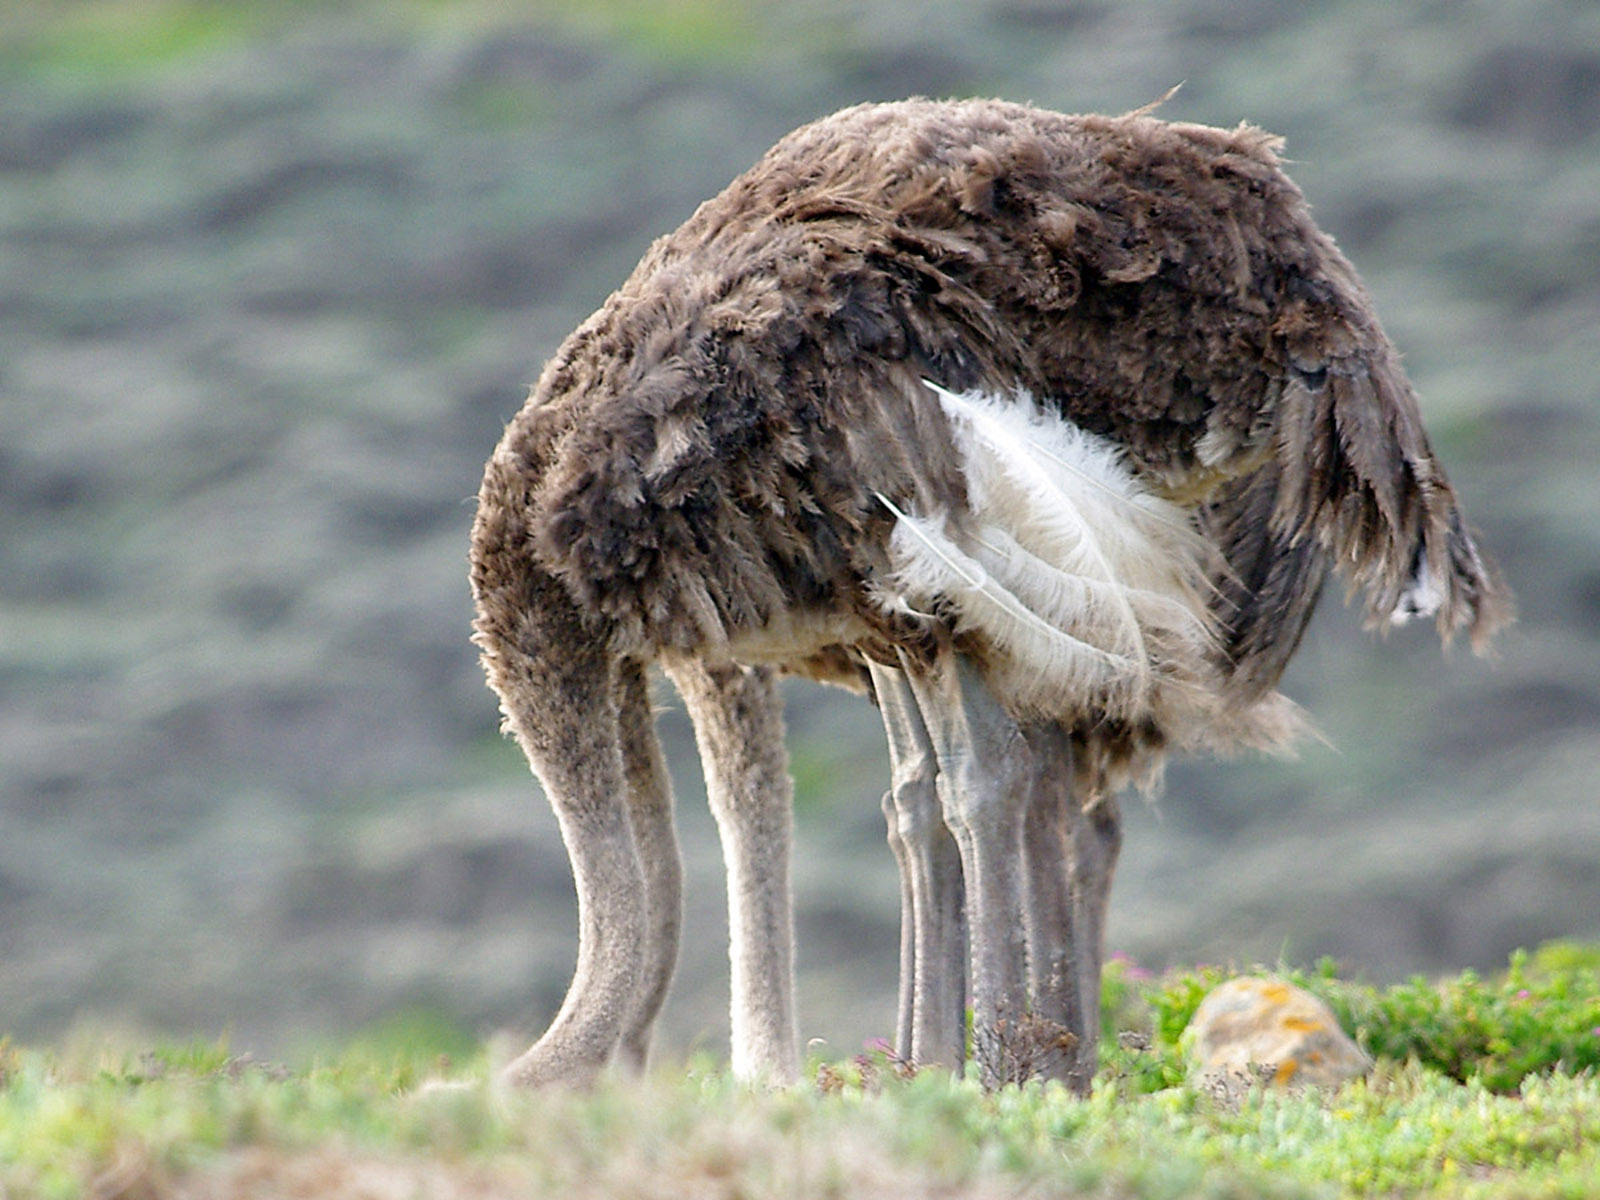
{"x": 1043, "y": 430}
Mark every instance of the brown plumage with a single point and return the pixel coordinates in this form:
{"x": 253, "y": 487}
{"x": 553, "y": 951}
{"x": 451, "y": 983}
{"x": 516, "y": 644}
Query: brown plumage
{"x": 711, "y": 465}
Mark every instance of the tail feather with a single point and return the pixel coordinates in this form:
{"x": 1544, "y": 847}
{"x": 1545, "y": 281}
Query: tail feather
{"x": 1358, "y": 476}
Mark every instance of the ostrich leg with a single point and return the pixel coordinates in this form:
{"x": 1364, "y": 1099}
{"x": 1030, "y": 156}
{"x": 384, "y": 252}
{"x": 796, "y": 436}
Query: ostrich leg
{"x": 650, "y": 811}
{"x": 1054, "y": 947}
{"x": 1096, "y": 842}
{"x": 571, "y": 733}
{"x": 932, "y": 1017}
{"x": 1072, "y": 843}
{"x": 738, "y": 724}
{"x": 905, "y": 1006}
{"x": 985, "y": 775}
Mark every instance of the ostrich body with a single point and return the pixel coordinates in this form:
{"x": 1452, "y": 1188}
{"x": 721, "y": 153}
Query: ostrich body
{"x": 1044, "y": 430}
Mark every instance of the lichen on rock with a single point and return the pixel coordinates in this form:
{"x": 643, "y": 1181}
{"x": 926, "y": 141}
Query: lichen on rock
{"x": 1269, "y": 1030}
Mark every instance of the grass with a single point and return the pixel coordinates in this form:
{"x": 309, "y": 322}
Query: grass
{"x": 684, "y": 32}
{"x": 1441, "y": 1115}
{"x": 1541, "y": 1016}
{"x": 95, "y": 44}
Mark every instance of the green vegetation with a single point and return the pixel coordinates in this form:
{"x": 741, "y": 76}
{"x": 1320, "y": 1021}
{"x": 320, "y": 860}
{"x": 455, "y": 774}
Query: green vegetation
{"x": 683, "y": 31}
{"x": 97, "y": 43}
{"x": 1541, "y": 1016}
{"x": 107, "y": 43}
{"x": 1441, "y": 1114}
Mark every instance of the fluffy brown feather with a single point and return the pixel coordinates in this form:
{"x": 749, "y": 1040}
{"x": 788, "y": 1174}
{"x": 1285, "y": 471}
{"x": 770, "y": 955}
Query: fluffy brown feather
{"x": 701, "y": 458}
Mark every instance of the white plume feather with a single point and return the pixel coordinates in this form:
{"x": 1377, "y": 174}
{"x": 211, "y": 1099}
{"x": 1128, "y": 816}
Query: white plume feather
{"x": 1088, "y": 589}
{"x": 942, "y": 569}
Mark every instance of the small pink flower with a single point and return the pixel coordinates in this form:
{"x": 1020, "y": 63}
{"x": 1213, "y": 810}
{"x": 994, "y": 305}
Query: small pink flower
{"x": 1130, "y": 969}
{"x": 1523, "y": 994}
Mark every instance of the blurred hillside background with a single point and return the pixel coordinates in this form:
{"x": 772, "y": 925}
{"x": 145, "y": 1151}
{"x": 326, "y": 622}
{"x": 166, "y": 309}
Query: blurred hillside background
{"x": 272, "y": 278}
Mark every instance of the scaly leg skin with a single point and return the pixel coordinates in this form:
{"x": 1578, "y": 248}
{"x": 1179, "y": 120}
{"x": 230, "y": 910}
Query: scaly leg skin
{"x": 932, "y": 1018}
{"x": 905, "y": 1006}
{"x": 650, "y": 810}
{"x": 738, "y": 724}
{"x": 985, "y": 776}
{"x": 1096, "y": 842}
{"x": 1073, "y": 840}
{"x": 1059, "y": 1007}
{"x": 574, "y": 745}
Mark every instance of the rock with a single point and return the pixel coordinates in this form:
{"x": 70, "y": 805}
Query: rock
{"x": 1274, "y": 1031}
